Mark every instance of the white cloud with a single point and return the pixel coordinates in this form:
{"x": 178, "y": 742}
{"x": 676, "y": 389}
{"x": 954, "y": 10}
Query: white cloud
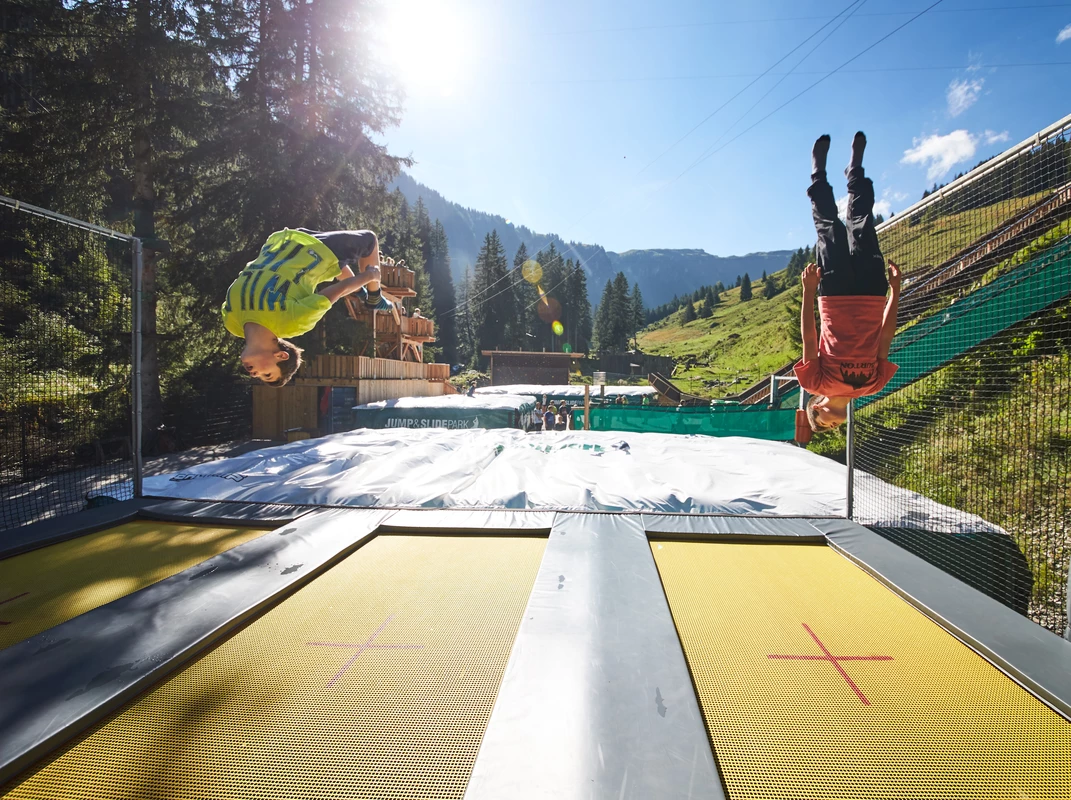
{"x": 842, "y": 207}
{"x": 880, "y": 207}
{"x": 1064, "y": 34}
{"x": 940, "y": 153}
{"x": 992, "y": 137}
{"x": 962, "y": 95}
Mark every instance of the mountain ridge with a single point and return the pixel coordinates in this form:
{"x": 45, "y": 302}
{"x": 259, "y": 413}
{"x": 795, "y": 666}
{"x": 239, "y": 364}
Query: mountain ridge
{"x": 660, "y": 272}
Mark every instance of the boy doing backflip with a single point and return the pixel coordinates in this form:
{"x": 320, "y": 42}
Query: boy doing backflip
{"x": 276, "y": 295}
{"x": 858, "y": 323}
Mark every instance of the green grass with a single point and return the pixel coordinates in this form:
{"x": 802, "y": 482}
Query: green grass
{"x": 991, "y": 437}
{"x": 930, "y": 242}
{"x": 741, "y": 343}
{"x": 744, "y": 342}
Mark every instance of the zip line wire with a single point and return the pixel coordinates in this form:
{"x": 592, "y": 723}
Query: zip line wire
{"x": 703, "y": 157}
{"x": 708, "y": 154}
{"x": 855, "y": 4}
{"x": 757, "y": 78}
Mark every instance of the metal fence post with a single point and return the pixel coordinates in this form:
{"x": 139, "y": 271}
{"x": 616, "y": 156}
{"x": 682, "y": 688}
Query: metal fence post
{"x": 849, "y": 459}
{"x": 135, "y": 349}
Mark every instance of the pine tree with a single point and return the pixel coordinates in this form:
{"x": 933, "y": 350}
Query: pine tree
{"x": 769, "y": 287}
{"x": 620, "y": 313}
{"x": 689, "y": 313}
{"x": 602, "y": 332}
{"x": 549, "y": 307}
{"x": 584, "y": 321}
{"x": 637, "y": 312}
{"x": 705, "y": 311}
{"x": 738, "y": 281}
{"x": 525, "y": 295}
{"x": 467, "y": 347}
{"x": 745, "y": 288}
{"x": 492, "y": 302}
{"x": 442, "y": 287}
{"x": 578, "y": 321}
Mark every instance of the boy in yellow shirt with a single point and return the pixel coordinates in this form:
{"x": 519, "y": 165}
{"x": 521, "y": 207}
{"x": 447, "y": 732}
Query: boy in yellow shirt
{"x": 276, "y": 295}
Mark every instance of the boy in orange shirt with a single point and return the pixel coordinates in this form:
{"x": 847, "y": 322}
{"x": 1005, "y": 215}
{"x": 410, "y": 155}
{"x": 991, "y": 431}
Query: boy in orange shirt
{"x": 858, "y": 323}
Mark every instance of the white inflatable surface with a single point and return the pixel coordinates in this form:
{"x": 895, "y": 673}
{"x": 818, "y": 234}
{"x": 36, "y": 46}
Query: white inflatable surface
{"x": 495, "y": 401}
{"x": 570, "y": 390}
{"x": 574, "y": 470}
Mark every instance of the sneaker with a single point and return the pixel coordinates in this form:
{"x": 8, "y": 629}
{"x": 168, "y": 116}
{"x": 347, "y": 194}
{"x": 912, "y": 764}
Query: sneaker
{"x": 382, "y": 305}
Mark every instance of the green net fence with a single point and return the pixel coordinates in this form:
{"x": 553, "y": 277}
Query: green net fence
{"x": 756, "y": 421}
{"x": 977, "y": 421}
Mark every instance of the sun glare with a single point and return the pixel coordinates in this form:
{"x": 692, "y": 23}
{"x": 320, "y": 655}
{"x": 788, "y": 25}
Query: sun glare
{"x": 426, "y": 44}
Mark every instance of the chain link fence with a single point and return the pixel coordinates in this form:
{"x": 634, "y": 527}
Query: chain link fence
{"x": 978, "y": 417}
{"x": 65, "y": 356}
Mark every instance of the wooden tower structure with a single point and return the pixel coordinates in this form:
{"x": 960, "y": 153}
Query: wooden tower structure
{"x": 403, "y": 340}
{"x": 322, "y": 394}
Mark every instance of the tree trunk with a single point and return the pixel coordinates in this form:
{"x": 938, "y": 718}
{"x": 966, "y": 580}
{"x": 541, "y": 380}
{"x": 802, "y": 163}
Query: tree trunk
{"x": 145, "y": 228}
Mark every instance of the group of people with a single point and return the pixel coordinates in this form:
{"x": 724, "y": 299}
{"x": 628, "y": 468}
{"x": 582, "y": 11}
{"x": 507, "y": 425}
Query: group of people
{"x": 547, "y": 417}
{"x": 278, "y": 295}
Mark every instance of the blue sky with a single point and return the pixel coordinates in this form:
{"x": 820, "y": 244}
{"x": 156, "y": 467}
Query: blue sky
{"x": 568, "y": 116}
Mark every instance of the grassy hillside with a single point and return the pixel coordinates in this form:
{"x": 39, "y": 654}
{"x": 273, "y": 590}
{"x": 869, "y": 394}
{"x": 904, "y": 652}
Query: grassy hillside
{"x": 741, "y": 343}
{"x": 934, "y": 239}
{"x": 746, "y": 341}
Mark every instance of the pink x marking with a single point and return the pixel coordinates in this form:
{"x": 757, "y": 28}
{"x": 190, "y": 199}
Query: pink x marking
{"x": 835, "y": 661}
{"x": 366, "y": 645}
{"x": 16, "y": 597}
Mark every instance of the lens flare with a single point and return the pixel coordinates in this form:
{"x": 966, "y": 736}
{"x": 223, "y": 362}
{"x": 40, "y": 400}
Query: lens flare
{"x": 549, "y": 309}
{"x": 531, "y": 271}
{"x": 557, "y": 327}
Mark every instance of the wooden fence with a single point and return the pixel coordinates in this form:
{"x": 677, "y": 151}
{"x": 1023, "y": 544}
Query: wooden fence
{"x": 354, "y": 368}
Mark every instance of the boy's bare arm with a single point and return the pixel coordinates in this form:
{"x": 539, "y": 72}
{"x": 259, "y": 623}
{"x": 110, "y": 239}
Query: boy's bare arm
{"x": 349, "y": 285}
{"x": 807, "y": 328}
{"x": 888, "y": 322}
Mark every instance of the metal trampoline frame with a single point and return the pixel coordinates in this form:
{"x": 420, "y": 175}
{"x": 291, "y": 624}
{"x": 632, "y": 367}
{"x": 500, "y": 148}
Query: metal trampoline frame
{"x": 613, "y": 632}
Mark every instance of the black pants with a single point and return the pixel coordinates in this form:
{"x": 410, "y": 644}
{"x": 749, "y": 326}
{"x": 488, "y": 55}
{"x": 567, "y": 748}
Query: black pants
{"x": 849, "y": 256}
{"x": 348, "y": 246}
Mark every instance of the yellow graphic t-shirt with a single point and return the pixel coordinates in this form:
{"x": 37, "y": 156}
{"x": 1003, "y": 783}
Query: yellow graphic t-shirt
{"x": 278, "y": 288}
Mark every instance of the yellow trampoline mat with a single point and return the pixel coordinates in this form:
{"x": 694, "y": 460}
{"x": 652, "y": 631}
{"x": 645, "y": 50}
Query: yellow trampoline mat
{"x": 51, "y": 585}
{"x": 375, "y": 680}
{"x": 816, "y": 681}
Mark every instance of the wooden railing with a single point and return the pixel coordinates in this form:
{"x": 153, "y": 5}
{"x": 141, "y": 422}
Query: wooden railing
{"x": 397, "y": 277}
{"x": 364, "y": 368}
{"x": 411, "y": 326}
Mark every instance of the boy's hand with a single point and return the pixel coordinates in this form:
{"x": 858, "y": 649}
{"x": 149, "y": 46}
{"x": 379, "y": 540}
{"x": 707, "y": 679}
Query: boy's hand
{"x": 810, "y": 277}
{"x": 373, "y": 271}
{"x": 894, "y": 277}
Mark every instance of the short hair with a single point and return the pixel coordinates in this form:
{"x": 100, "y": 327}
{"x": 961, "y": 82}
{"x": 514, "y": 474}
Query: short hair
{"x": 288, "y": 367}
{"x": 812, "y": 416}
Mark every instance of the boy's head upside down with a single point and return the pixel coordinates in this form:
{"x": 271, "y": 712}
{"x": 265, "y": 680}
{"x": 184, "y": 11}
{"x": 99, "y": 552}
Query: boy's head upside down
{"x": 270, "y": 359}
